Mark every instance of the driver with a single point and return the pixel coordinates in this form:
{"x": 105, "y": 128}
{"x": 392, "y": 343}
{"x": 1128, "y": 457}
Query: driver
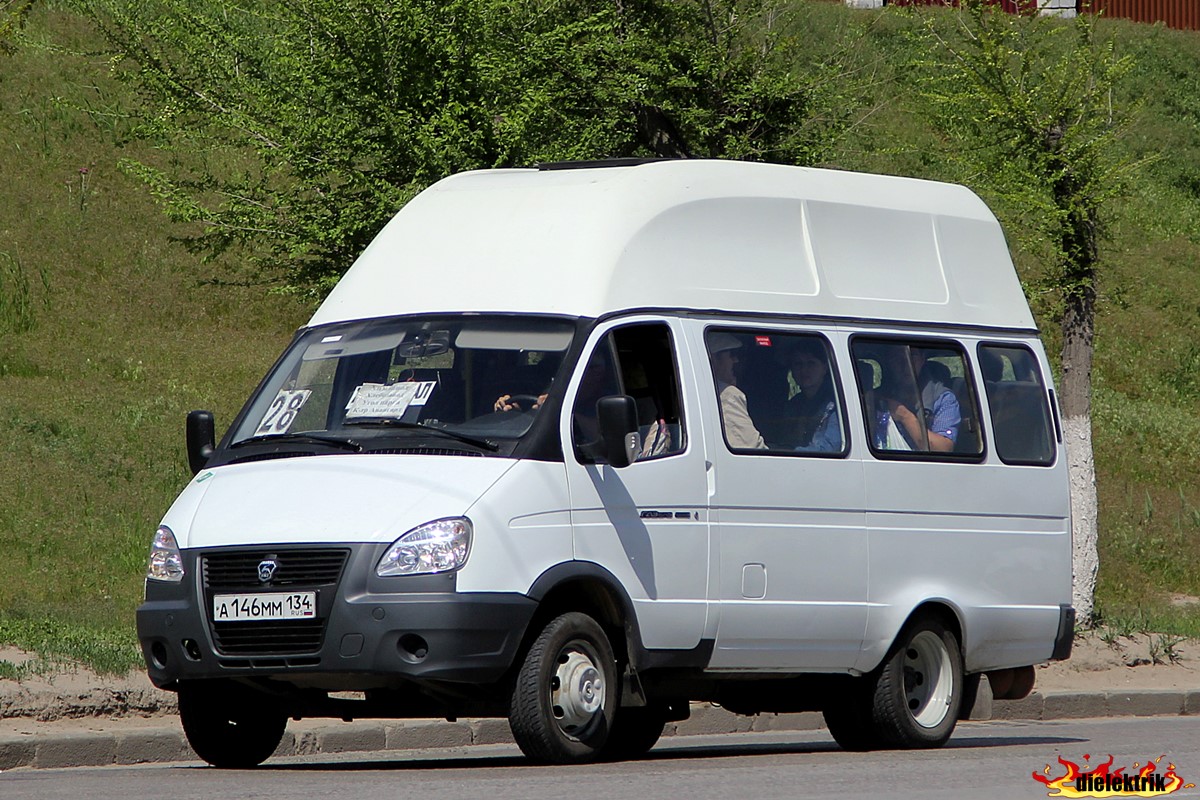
{"x": 505, "y": 402}
{"x": 532, "y": 377}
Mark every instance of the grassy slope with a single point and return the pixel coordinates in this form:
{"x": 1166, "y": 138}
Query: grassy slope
{"x": 129, "y": 332}
{"x": 126, "y": 337}
{"x": 1148, "y": 346}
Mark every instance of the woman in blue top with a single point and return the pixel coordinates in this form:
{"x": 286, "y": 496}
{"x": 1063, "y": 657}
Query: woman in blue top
{"x": 814, "y": 407}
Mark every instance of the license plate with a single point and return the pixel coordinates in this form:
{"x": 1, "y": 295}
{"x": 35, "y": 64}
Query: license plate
{"x": 273, "y": 605}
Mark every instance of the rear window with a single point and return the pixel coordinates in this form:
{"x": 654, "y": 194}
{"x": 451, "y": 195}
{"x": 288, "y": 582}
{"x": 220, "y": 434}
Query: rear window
{"x": 1019, "y": 404}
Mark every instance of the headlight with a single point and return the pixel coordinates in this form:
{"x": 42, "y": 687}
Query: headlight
{"x": 166, "y": 562}
{"x": 439, "y": 546}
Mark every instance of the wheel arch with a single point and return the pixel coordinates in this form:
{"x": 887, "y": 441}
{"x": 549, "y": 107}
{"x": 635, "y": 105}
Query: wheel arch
{"x": 936, "y": 607}
{"x": 589, "y": 588}
{"x": 945, "y": 612}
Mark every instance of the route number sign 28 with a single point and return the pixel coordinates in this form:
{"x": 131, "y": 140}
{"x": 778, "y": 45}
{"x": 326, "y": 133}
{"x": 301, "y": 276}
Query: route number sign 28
{"x": 282, "y": 412}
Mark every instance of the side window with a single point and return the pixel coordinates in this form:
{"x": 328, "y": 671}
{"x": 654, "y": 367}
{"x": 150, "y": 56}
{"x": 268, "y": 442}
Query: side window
{"x": 639, "y": 361}
{"x": 1020, "y": 410}
{"x": 650, "y": 375}
{"x": 599, "y": 380}
{"x": 777, "y": 392}
{"x": 917, "y": 396}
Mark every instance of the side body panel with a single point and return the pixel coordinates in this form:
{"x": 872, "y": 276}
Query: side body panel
{"x": 792, "y": 549}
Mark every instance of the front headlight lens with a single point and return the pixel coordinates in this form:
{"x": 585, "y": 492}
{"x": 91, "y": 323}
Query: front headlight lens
{"x": 166, "y": 562}
{"x": 439, "y": 546}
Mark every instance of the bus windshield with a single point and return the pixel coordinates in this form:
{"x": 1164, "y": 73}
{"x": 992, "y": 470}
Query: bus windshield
{"x": 474, "y": 380}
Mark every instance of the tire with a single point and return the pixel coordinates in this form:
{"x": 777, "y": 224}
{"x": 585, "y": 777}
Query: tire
{"x": 565, "y": 695}
{"x": 634, "y": 732}
{"x": 849, "y": 719}
{"x": 918, "y": 691}
{"x": 229, "y": 726}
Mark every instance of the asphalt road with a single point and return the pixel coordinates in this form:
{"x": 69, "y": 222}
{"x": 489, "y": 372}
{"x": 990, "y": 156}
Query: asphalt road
{"x": 992, "y": 760}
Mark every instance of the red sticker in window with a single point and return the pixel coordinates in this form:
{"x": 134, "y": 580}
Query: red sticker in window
{"x": 762, "y": 341}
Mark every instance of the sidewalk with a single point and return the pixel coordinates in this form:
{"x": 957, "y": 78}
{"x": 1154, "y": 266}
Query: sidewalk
{"x": 24, "y": 742}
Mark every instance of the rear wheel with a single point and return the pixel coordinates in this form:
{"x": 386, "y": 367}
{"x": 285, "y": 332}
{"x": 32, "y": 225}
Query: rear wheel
{"x": 849, "y": 719}
{"x": 230, "y": 726}
{"x": 919, "y": 689}
{"x": 912, "y": 701}
{"x": 564, "y": 700}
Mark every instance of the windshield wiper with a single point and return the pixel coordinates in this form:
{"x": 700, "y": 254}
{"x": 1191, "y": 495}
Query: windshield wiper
{"x": 395, "y": 423}
{"x": 345, "y": 444}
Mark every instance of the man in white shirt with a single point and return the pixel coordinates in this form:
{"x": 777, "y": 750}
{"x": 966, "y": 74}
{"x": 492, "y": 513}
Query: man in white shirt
{"x": 740, "y": 432}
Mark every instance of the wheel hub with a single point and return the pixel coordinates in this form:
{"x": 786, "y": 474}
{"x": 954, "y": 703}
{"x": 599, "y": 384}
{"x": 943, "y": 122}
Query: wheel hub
{"x": 928, "y": 679}
{"x": 576, "y": 691}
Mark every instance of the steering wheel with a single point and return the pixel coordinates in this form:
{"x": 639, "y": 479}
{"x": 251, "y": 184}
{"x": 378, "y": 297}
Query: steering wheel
{"x": 524, "y": 402}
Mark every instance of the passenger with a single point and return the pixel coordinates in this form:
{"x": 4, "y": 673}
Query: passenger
{"x": 739, "y": 427}
{"x": 896, "y": 415}
{"x": 943, "y": 413}
{"x": 815, "y": 406}
{"x": 991, "y": 364}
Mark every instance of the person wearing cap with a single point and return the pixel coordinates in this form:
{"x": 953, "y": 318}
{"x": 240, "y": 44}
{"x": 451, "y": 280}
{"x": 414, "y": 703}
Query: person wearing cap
{"x": 740, "y": 432}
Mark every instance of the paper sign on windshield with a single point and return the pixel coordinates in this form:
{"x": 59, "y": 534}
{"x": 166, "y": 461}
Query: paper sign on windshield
{"x": 282, "y": 412}
{"x": 389, "y": 401}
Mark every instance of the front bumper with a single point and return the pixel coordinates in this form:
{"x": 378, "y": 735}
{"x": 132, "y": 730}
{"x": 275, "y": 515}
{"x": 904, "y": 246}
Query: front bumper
{"x": 373, "y": 631}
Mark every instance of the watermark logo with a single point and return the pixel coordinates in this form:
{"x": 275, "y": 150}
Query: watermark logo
{"x": 1104, "y": 781}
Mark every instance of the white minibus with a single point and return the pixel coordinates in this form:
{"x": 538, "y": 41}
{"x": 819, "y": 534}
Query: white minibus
{"x": 583, "y": 444}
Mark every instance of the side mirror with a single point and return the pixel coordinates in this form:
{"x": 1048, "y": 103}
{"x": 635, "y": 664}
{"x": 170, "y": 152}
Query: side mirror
{"x": 201, "y": 439}
{"x": 617, "y": 415}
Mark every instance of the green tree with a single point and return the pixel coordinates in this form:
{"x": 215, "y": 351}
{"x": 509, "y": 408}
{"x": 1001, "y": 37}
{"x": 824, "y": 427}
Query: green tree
{"x": 296, "y": 130}
{"x": 1029, "y": 100}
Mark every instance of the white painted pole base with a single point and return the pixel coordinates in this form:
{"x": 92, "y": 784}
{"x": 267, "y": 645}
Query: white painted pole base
{"x": 1085, "y": 555}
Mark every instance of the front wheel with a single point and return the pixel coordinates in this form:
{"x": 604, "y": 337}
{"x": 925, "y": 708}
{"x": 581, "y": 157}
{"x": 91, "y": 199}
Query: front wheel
{"x": 637, "y": 729}
{"x": 565, "y": 695}
{"x": 230, "y": 726}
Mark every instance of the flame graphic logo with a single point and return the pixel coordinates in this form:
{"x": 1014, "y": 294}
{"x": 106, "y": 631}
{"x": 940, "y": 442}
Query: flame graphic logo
{"x": 1103, "y": 781}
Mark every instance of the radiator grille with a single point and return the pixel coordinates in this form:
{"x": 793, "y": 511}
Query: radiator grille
{"x": 237, "y": 571}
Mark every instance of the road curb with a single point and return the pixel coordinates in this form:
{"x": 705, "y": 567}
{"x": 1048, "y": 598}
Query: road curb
{"x": 44, "y": 748}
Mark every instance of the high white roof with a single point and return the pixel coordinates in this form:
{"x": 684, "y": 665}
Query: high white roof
{"x": 689, "y": 234}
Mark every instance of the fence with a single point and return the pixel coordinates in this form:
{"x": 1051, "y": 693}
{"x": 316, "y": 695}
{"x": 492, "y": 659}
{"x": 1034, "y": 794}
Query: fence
{"x": 1010, "y": 6}
{"x": 1182, "y": 14}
